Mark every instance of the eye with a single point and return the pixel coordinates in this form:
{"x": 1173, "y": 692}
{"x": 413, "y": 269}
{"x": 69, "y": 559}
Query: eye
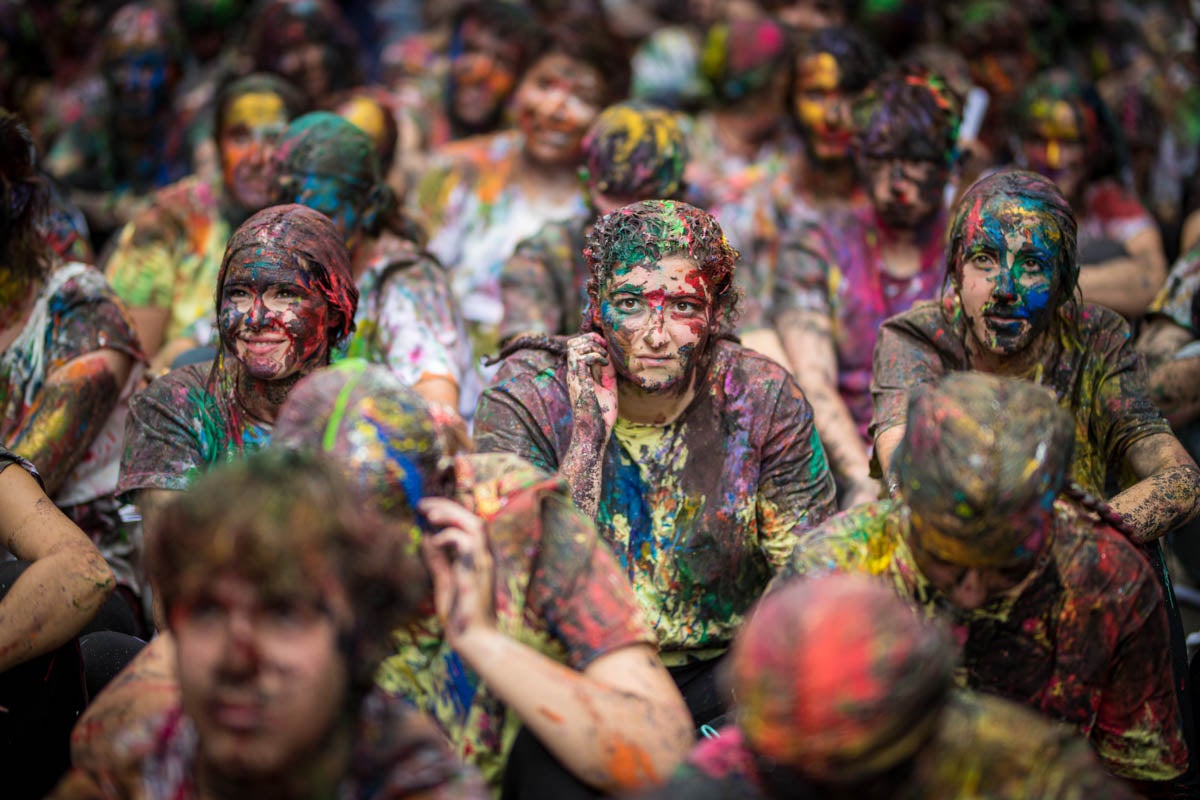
{"x": 236, "y": 293}
{"x": 983, "y": 260}
{"x": 687, "y": 307}
{"x": 628, "y": 304}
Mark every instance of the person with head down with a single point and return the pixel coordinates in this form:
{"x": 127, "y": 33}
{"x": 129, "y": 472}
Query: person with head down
{"x": 531, "y": 651}
{"x": 697, "y": 458}
{"x": 841, "y": 276}
{"x": 630, "y": 153}
{"x": 1050, "y": 603}
{"x": 843, "y": 691}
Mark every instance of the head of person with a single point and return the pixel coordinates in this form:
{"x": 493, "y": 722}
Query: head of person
{"x": 831, "y": 69}
{"x": 1058, "y": 126}
{"x": 1011, "y": 259}
{"x": 372, "y": 111}
{"x": 630, "y": 153}
{"x": 308, "y": 42}
{"x": 582, "y": 69}
{"x": 660, "y": 291}
{"x": 906, "y": 136}
{"x": 837, "y": 682}
{"x": 207, "y": 24}
{"x": 24, "y": 200}
{"x": 809, "y": 16}
{"x": 285, "y": 293}
{"x": 280, "y": 591}
{"x": 745, "y": 61}
{"x": 142, "y": 61}
{"x": 378, "y": 433}
{"x": 329, "y": 164}
{"x": 492, "y": 43}
{"x": 251, "y": 115}
{"x": 995, "y": 37}
{"x": 982, "y": 460}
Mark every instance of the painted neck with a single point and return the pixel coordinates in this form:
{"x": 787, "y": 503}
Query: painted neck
{"x": 316, "y": 777}
{"x": 262, "y": 399}
{"x": 635, "y": 404}
{"x": 1017, "y": 365}
{"x": 830, "y": 182}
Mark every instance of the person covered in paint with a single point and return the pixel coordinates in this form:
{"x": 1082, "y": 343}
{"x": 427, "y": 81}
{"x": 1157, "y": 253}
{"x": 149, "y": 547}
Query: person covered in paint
{"x": 831, "y": 69}
{"x": 279, "y": 593}
{"x": 484, "y": 195}
{"x": 697, "y": 458}
{"x": 844, "y": 692}
{"x": 68, "y": 354}
{"x": 166, "y": 259}
{"x": 285, "y": 301}
{"x": 1167, "y": 340}
{"x": 843, "y": 275}
{"x": 532, "y": 652}
{"x": 630, "y": 153}
{"x": 742, "y": 149}
{"x": 1052, "y": 605}
{"x": 1061, "y": 134}
{"x": 1010, "y": 308}
{"x": 131, "y": 142}
{"x": 407, "y": 318}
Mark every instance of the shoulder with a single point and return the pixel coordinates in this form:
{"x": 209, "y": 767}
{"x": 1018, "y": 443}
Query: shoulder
{"x": 174, "y": 394}
{"x": 1100, "y": 325}
{"x": 863, "y": 538}
{"x": 478, "y": 150}
{"x": 738, "y": 377}
{"x": 531, "y": 367}
{"x": 79, "y": 284}
{"x": 8, "y": 459}
{"x": 1097, "y": 561}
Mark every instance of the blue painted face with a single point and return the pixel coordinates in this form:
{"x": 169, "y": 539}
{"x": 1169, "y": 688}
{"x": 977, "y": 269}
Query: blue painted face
{"x": 139, "y": 80}
{"x": 343, "y": 201}
{"x": 1007, "y": 275}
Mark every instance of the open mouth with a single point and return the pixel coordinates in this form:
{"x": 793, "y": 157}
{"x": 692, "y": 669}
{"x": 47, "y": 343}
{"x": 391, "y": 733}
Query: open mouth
{"x": 263, "y": 345}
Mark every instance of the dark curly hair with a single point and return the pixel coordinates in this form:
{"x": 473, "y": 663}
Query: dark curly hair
{"x": 910, "y": 111}
{"x": 24, "y": 199}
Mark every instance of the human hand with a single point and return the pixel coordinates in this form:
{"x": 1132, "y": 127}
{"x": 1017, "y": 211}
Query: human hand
{"x": 460, "y": 564}
{"x": 861, "y": 490}
{"x": 592, "y": 384}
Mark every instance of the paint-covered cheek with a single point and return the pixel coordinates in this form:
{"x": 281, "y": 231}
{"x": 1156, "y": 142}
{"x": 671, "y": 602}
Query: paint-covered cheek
{"x": 811, "y": 114}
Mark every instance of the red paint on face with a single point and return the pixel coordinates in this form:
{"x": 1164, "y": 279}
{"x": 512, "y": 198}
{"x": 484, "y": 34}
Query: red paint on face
{"x": 657, "y": 320}
{"x": 252, "y": 128}
{"x": 556, "y": 102}
{"x": 904, "y": 192}
{"x": 822, "y": 108}
{"x": 273, "y": 319}
{"x": 484, "y": 74}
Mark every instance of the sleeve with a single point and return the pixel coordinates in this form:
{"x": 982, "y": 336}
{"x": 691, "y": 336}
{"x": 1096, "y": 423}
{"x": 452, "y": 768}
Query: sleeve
{"x": 903, "y": 360}
{"x": 8, "y": 459}
{"x": 528, "y": 290}
{"x": 806, "y": 262}
{"x": 580, "y": 591}
{"x": 795, "y": 488}
{"x": 841, "y": 544}
{"x": 1178, "y": 298}
{"x": 88, "y": 317}
{"x": 1119, "y": 213}
{"x": 1122, "y": 409}
{"x": 418, "y": 326}
{"x": 514, "y": 415}
{"x": 162, "y": 451}
{"x": 142, "y": 267}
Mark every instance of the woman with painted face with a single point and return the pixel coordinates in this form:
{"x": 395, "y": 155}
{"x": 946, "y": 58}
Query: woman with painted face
{"x": 285, "y": 301}
{"x": 1064, "y": 131}
{"x": 841, "y": 276}
{"x": 485, "y": 194}
{"x": 165, "y": 262}
{"x": 1051, "y": 604}
{"x": 697, "y": 458}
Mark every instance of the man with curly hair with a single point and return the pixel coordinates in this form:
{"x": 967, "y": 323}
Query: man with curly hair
{"x": 697, "y": 458}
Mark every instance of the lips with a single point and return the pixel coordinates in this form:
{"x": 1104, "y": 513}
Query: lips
{"x": 238, "y": 716}
{"x": 262, "y": 345}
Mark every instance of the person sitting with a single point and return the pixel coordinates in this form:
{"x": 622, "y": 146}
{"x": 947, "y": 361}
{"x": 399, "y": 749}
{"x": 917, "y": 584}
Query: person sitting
{"x": 697, "y": 458}
{"x": 1051, "y": 604}
{"x": 279, "y": 591}
{"x": 844, "y": 692}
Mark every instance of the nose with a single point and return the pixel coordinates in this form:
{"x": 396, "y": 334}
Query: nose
{"x": 656, "y": 334}
{"x": 970, "y": 592}
{"x": 239, "y": 658}
{"x": 1053, "y": 154}
{"x": 1005, "y": 286}
{"x": 257, "y": 317}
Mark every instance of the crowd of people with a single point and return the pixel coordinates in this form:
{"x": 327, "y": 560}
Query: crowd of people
{"x": 594, "y": 398}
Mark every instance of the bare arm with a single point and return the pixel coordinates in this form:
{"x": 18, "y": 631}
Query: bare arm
{"x": 766, "y": 341}
{"x": 1128, "y": 284}
{"x": 808, "y": 340}
{"x": 1161, "y": 338}
{"x": 1168, "y": 492}
{"x": 885, "y": 446}
{"x": 151, "y": 324}
{"x": 69, "y": 413}
{"x": 66, "y": 582}
{"x": 592, "y": 382}
{"x": 1175, "y": 389}
{"x": 619, "y": 724}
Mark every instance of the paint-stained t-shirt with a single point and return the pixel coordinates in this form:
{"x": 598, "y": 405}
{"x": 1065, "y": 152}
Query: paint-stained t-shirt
{"x": 1178, "y": 298}
{"x": 835, "y": 267}
{"x": 1083, "y": 638}
{"x": 168, "y": 256}
{"x": 558, "y": 590}
{"x": 983, "y": 747}
{"x": 8, "y": 459}
{"x": 702, "y": 512}
{"x": 544, "y": 282}
{"x": 181, "y": 425}
{"x": 1111, "y": 212}
{"x": 1096, "y": 374}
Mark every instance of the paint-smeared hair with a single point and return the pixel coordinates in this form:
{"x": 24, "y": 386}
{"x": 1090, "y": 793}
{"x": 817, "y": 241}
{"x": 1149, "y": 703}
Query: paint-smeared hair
{"x": 1030, "y": 188}
{"x": 288, "y": 523}
{"x": 277, "y": 25}
{"x": 1102, "y": 137}
{"x": 294, "y": 102}
{"x": 637, "y": 152}
{"x": 741, "y": 58}
{"x": 589, "y": 40}
{"x": 859, "y": 60}
{"x": 24, "y": 197}
{"x": 909, "y": 111}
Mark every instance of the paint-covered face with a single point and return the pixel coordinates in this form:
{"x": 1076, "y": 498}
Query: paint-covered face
{"x": 141, "y": 82}
{"x": 1002, "y": 74}
{"x": 272, "y": 317}
{"x": 308, "y": 65}
{"x": 967, "y": 587}
{"x": 251, "y": 129}
{"x": 1006, "y": 275}
{"x": 556, "y": 102}
{"x": 822, "y": 108}
{"x": 904, "y": 191}
{"x": 810, "y": 16}
{"x": 656, "y": 320}
{"x": 484, "y": 74}
{"x": 1054, "y": 145}
{"x": 261, "y": 677}
{"x": 342, "y": 200}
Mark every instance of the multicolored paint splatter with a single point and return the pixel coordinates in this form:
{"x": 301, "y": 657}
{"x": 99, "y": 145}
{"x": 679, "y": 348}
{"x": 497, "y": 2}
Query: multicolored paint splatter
{"x": 544, "y": 282}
